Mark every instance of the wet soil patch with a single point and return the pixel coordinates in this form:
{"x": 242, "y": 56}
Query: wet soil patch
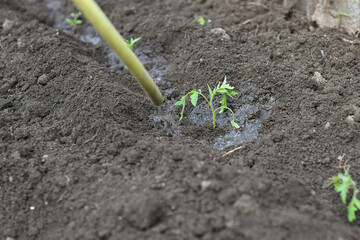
{"x": 83, "y": 154}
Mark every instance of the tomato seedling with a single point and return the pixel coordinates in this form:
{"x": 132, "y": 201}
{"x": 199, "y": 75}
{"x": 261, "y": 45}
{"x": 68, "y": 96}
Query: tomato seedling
{"x": 75, "y": 19}
{"x": 342, "y": 184}
{"x": 132, "y": 42}
{"x": 224, "y": 89}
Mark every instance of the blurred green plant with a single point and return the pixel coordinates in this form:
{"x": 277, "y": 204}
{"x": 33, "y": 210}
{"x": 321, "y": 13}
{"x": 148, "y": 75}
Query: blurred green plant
{"x": 202, "y": 21}
{"x": 75, "y": 19}
{"x": 342, "y": 14}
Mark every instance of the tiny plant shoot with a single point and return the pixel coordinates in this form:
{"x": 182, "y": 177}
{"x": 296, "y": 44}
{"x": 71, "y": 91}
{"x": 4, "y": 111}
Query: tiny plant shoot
{"x": 75, "y": 19}
{"x": 341, "y": 14}
{"x": 202, "y": 21}
{"x": 224, "y": 89}
{"x": 132, "y": 42}
{"x": 342, "y": 184}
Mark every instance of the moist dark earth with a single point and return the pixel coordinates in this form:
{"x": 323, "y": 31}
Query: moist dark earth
{"x": 83, "y": 154}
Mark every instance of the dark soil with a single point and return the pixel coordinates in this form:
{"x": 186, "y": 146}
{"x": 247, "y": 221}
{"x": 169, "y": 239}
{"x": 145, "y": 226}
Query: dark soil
{"x": 81, "y": 156}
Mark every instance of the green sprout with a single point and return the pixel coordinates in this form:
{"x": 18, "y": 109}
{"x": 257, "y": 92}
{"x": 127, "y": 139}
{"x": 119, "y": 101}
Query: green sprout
{"x": 202, "y": 21}
{"x": 342, "y": 14}
{"x": 342, "y": 184}
{"x": 75, "y": 19}
{"x": 224, "y": 89}
{"x": 132, "y": 42}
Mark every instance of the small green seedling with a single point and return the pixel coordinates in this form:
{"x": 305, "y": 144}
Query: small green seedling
{"x": 342, "y": 184}
{"x": 132, "y": 42}
{"x": 75, "y": 19}
{"x": 202, "y": 21}
{"x": 224, "y": 89}
{"x": 342, "y": 14}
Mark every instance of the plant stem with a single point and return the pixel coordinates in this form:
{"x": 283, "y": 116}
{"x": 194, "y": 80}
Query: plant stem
{"x": 229, "y": 110}
{"x": 211, "y": 106}
{"x": 108, "y": 32}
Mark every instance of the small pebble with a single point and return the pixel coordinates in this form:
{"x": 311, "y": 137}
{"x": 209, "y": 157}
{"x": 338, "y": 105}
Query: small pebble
{"x": 32, "y": 208}
{"x": 205, "y": 185}
{"x": 8, "y": 24}
{"x": 350, "y": 120}
{"x": 318, "y": 78}
{"x": 43, "y": 79}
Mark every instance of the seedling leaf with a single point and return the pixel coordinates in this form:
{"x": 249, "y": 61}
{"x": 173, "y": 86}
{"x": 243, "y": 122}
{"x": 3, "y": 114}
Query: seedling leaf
{"x": 75, "y": 19}
{"x": 69, "y": 21}
{"x": 234, "y": 124}
{"x": 194, "y": 95}
{"x": 351, "y": 212}
{"x": 223, "y": 102}
{"x": 181, "y": 102}
{"x": 210, "y": 91}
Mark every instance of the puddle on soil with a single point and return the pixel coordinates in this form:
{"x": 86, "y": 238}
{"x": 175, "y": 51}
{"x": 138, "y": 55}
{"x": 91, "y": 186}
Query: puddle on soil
{"x": 156, "y": 64}
{"x": 250, "y": 108}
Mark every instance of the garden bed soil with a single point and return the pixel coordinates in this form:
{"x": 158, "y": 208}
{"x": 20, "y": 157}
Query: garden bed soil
{"x": 81, "y": 156}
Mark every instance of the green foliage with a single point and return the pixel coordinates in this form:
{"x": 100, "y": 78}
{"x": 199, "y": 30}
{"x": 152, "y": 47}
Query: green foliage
{"x": 202, "y": 21}
{"x": 75, "y": 19}
{"x": 224, "y": 89}
{"x": 132, "y": 42}
{"x": 342, "y": 184}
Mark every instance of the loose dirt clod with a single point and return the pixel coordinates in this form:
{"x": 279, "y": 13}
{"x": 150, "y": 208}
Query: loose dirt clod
{"x": 8, "y": 24}
{"x": 43, "y": 79}
{"x": 319, "y": 78}
{"x": 222, "y": 33}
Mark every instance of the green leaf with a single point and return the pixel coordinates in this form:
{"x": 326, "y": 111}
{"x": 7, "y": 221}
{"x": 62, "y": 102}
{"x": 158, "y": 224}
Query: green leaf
{"x": 231, "y": 94}
{"x": 234, "y": 124}
{"x": 210, "y": 91}
{"x": 194, "y": 95}
{"x": 222, "y": 91}
{"x": 135, "y": 40}
{"x": 351, "y": 211}
{"x": 181, "y": 102}
{"x": 343, "y": 194}
{"x": 78, "y": 21}
{"x": 224, "y": 84}
{"x": 201, "y": 21}
{"x": 217, "y": 88}
{"x": 223, "y": 102}
{"x": 342, "y": 189}
{"x": 357, "y": 202}
{"x": 334, "y": 180}
{"x": 69, "y": 21}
